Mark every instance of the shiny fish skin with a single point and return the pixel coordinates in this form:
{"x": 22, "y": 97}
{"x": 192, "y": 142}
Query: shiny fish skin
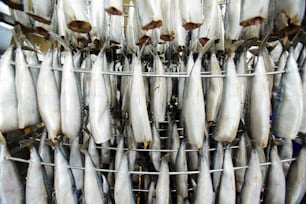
{"x": 229, "y": 116}
{"x": 179, "y": 31}
{"x": 253, "y": 13}
{"x": 214, "y": 92}
{"x": 12, "y": 193}
{"x": 99, "y": 113}
{"x": 277, "y": 78}
{"x": 70, "y": 100}
{"x": 232, "y": 20}
{"x": 155, "y": 144}
{"x": 192, "y": 15}
{"x": 64, "y": 186}
{"x": 40, "y": 10}
{"x": 48, "y": 98}
{"x": 98, "y": 18}
{"x": 113, "y": 7}
{"x": 36, "y": 191}
{"x": 45, "y": 155}
{"x": 296, "y": 179}
{"x": 242, "y": 68}
{"x": 167, "y": 29}
{"x": 259, "y": 105}
{"x": 123, "y": 191}
{"x": 32, "y": 59}
{"x": 241, "y": 159}
{"x": 204, "y": 191}
{"x": 119, "y": 153}
{"x": 92, "y": 183}
{"x": 93, "y": 152}
{"x": 131, "y": 145}
{"x": 217, "y": 163}
{"x": 28, "y": 113}
{"x": 75, "y": 159}
{"x": 163, "y": 184}
{"x": 8, "y": 97}
{"x": 227, "y": 191}
{"x": 131, "y": 35}
{"x": 181, "y": 166}
{"x": 150, "y": 14}
{"x": 302, "y": 128}
{"x": 251, "y": 188}
{"x": 286, "y": 152}
{"x": 175, "y": 143}
{"x": 138, "y": 108}
{"x": 288, "y": 109}
{"x": 275, "y": 189}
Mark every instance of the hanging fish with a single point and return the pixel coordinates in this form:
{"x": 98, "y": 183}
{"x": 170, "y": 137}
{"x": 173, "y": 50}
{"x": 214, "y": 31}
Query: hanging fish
{"x": 98, "y": 19}
{"x": 39, "y": 10}
{"x": 150, "y": 14}
{"x": 179, "y": 31}
{"x": 119, "y": 153}
{"x": 192, "y": 14}
{"x": 302, "y": 127}
{"x": 286, "y": 152}
{"x": 217, "y": 163}
{"x": 259, "y": 105}
{"x": 131, "y": 28}
{"x": 253, "y": 12}
{"x": 229, "y": 116}
{"x": 28, "y": 113}
{"x": 138, "y": 108}
{"x": 277, "y": 77}
{"x": 175, "y": 143}
{"x": 99, "y": 113}
{"x": 32, "y": 59}
{"x": 8, "y": 96}
{"x": 167, "y": 29}
{"x": 114, "y": 7}
{"x": 75, "y": 159}
{"x": 45, "y": 155}
{"x": 181, "y": 84}
{"x": 232, "y": 20}
{"x": 115, "y": 33}
{"x": 241, "y": 159}
{"x": 132, "y": 145}
{"x": 11, "y": 189}
{"x": 70, "y": 100}
{"x": 93, "y": 152}
{"x": 155, "y": 146}
{"x": 181, "y": 179}
{"x": 163, "y": 184}
{"x": 288, "y": 109}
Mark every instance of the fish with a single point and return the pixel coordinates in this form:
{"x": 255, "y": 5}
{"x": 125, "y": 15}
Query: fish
{"x": 175, "y": 143}
{"x": 131, "y": 26}
{"x": 97, "y": 20}
{"x": 45, "y": 155}
{"x": 193, "y": 107}
{"x": 70, "y": 100}
{"x": 302, "y": 128}
{"x": 132, "y": 145}
{"x": 191, "y": 13}
{"x": 181, "y": 166}
{"x": 277, "y": 77}
{"x": 275, "y": 189}
{"x": 75, "y": 159}
{"x": 217, "y": 163}
{"x": 115, "y": 33}
{"x": 8, "y": 95}
{"x": 204, "y": 191}
{"x": 287, "y": 14}
{"x": 192, "y": 157}
{"x": 93, "y": 189}
{"x": 139, "y": 117}
{"x": 123, "y": 188}
{"x": 163, "y": 184}
{"x": 181, "y": 84}
{"x": 232, "y": 28}
{"x": 75, "y": 15}
{"x": 151, "y": 194}
{"x": 36, "y": 191}
{"x": 158, "y": 92}
{"x": 167, "y": 29}
{"x": 150, "y": 14}
{"x": 65, "y": 189}
{"x": 296, "y": 178}
{"x": 12, "y": 193}
{"x": 214, "y": 92}
{"x": 113, "y": 7}
{"x": 229, "y": 115}
{"x": 253, "y": 13}
{"x": 99, "y": 111}
{"x": 269, "y": 64}
{"x": 241, "y": 159}
{"x": 289, "y": 103}
{"x": 32, "y": 59}
{"x": 62, "y": 29}
{"x": 28, "y": 113}
{"x": 227, "y": 189}
{"x": 119, "y": 153}
{"x": 155, "y": 146}
{"x": 259, "y": 105}
{"x": 286, "y": 152}
{"x": 251, "y": 188}
{"x": 22, "y": 19}
{"x": 93, "y": 152}
{"x": 39, "y": 10}
{"x": 179, "y": 40}
{"x": 105, "y": 153}
{"x": 85, "y": 81}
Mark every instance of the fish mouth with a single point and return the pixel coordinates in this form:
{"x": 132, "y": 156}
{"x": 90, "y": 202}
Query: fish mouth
{"x": 39, "y": 18}
{"x": 252, "y": 21}
{"x": 114, "y": 11}
{"x": 153, "y": 24}
{"x": 79, "y": 26}
{"x": 191, "y": 26}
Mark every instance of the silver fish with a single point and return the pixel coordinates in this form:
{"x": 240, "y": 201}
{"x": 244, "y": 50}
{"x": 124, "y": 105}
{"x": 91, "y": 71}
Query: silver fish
{"x": 138, "y": 108}
{"x": 259, "y": 105}
{"x": 75, "y": 159}
{"x": 44, "y": 153}
{"x": 251, "y": 188}
{"x": 70, "y": 100}
{"x": 12, "y": 193}
{"x": 131, "y": 146}
{"x": 116, "y": 32}
{"x": 204, "y": 191}
{"x": 93, "y": 152}
{"x": 36, "y": 191}
{"x": 175, "y": 143}
{"x": 217, "y": 163}
{"x": 227, "y": 191}
{"x": 252, "y": 12}
{"x": 114, "y": 7}
{"x": 275, "y": 190}
{"x": 98, "y": 19}
{"x": 232, "y": 20}
{"x": 123, "y": 189}
{"x": 229, "y": 116}
{"x": 105, "y": 153}
{"x": 289, "y": 102}
{"x": 296, "y": 179}
{"x": 150, "y": 14}
{"x": 8, "y": 96}
{"x": 99, "y": 113}
{"x": 277, "y": 77}
{"x": 155, "y": 145}
{"x": 64, "y": 186}
{"x": 192, "y": 14}
{"x": 181, "y": 84}
{"x": 167, "y": 29}
{"x": 286, "y": 152}
{"x": 192, "y": 158}
{"x": 151, "y": 194}
{"x": 181, "y": 166}
{"x": 39, "y": 10}
{"x": 163, "y": 184}
{"x": 119, "y": 153}
{"x": 214, "y": 92}
{"x": 131, "y": 27}
{"x": 93, "y": 189}
{"x": 179, "y": 31}
{"x": 32, "y": 59}
{"x": 28, "y": 113}
{"x": 241, "y": 159}
{"x": 302, "y": 127}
